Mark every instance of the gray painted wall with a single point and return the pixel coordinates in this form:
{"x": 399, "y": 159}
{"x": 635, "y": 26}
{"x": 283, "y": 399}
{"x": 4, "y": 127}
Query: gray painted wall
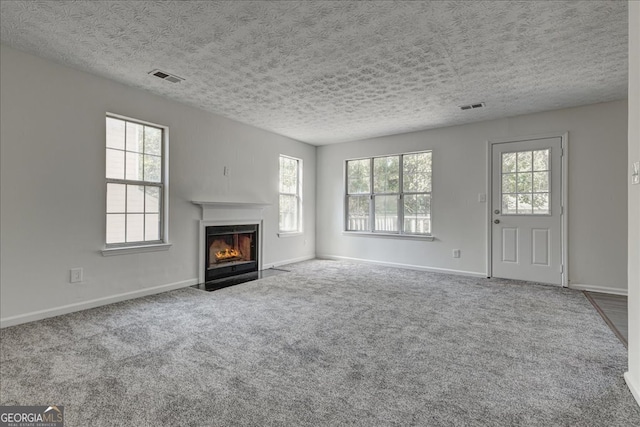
{"x": 53, "y": 189}
{"x": 633, "y": 376}
{"x": 597, "y": 194}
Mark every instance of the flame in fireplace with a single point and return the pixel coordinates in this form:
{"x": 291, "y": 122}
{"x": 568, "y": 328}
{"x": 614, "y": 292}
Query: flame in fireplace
{"x": 227, "y": 253}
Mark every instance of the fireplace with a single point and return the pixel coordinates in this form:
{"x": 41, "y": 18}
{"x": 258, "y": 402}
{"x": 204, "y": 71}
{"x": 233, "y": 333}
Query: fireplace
{"x": 230, "y": 250}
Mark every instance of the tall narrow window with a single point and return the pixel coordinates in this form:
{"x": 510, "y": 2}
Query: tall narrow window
{"x": 290, "y": 210}
{"x": 390, "y": 194}
{"x": 136, "y": 182}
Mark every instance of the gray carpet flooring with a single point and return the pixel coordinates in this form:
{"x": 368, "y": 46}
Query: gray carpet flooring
{"x": 329, "y": 343}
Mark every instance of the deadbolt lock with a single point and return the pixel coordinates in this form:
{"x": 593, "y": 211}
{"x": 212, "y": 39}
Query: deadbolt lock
{"x": 497, "y": 211}
{"x": 496, "y": 221}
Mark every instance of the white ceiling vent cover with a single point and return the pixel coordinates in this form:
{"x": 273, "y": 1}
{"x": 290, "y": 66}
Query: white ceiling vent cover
{"x": 472, "y": 106}
{"x": 166, "y": 76}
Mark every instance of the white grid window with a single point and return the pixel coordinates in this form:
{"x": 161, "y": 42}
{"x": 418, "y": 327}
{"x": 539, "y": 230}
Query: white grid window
{"x": 525, "y": 182}
{"x": 136, "y": 182}
{"x": 390, "y": 194}
{"x": 290, "y": 202}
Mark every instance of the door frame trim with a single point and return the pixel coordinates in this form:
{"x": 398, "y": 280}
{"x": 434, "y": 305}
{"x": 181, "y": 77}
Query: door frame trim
{"x": 564, "y": 217}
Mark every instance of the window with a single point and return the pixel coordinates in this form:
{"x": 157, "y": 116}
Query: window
{"x": 135, "y": 175}
{"x": 525, "y": 182}
{"x": 390, "y": 194}
{"x": 290, "y": 211}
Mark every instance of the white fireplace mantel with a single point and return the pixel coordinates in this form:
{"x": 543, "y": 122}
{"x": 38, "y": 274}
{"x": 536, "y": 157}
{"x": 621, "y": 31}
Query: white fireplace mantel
{"x": 232, "y": 205}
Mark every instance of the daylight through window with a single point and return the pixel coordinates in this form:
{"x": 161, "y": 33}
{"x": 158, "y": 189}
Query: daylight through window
{"x": 290, "y": 203}
{"x": 390, "y": 194}
{"x": 135, "y": 182}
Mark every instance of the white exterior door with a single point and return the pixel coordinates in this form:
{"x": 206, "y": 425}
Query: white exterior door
{"x": 526, "y": 210}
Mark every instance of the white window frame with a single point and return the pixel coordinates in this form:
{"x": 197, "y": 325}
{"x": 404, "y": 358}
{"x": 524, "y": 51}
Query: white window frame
{"x": 400, "y": 196}
{"x": 297, "y": 194}
{"x": 143, "y": 246}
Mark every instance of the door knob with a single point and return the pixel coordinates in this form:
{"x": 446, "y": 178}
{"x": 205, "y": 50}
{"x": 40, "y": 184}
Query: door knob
{"x": 496, "y": 221}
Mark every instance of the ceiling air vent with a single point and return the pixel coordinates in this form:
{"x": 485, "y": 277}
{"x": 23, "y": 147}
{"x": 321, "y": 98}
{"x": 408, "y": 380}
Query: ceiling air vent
{"x": 166, "y": 76}
{"x": 472, "y": 106}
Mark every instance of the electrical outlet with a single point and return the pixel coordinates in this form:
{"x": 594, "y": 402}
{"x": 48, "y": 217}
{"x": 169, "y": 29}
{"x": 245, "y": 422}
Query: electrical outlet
{"x": 76, "y": 275}
{"x": 226, "y": 171}
{"x": 456, "y": 253}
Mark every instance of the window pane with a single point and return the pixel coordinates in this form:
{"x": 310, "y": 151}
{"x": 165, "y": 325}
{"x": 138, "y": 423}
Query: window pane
{"x": 525, "y": 161}
{"x": 134, "y": 166}
{"x": 417, "y": 213}
{"x": 358, "y": 213}
{"x": 152, "y": 227}
{"x": 115, "y": 133}
{"x": 116, "y": 198}
{"x": 416, "y": 169}
{"x": 152, "y": 168}
{"x": 134, "y": 137}
{"x": 115, "y": 228}
{"x": 115, "y": 164}
{"x": 386, "y": 172}
{"x": 288, "y": 213}
{"x": 509, "y": 183}
{"x": 135, "y": 199}
{"x": 135, "y": 227}
{"x": 541, "y": 204}
{"x": 152, "y": 200}
{"x": 541, "y": 160}
{"x": 386, "y": 211}
{"x": 509, "y": 204}
{"x": 288, "y": 175}
{"x": 524, "y": 183}
{"x": 525, "y": 206}
{"x": 358, "y": 176}
{"x": 508, "y": 162}
{"x": 541, "y": 182}
{"x": 152, "y": 140}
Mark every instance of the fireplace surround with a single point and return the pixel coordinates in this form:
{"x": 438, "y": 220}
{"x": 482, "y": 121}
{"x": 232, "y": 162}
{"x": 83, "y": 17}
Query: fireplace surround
{"x": 229, "y": 214}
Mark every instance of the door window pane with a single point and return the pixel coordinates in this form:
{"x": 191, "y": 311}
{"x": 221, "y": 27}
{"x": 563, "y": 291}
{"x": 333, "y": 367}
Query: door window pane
{"x": 525, "y": 192}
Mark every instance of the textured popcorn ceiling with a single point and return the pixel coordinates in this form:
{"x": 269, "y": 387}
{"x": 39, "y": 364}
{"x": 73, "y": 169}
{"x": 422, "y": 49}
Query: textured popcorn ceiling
{"x": 325, "y": 72}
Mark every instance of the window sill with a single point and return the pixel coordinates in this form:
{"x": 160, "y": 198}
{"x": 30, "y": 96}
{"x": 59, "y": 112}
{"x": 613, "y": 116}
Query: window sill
{"x": 290, "y": 234}
{"x": 136, "y": 249}
{"x": 429, "y": 238}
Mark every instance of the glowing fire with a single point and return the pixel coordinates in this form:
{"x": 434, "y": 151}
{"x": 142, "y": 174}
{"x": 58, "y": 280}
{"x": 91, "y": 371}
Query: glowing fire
{"x": 227, "y": 254}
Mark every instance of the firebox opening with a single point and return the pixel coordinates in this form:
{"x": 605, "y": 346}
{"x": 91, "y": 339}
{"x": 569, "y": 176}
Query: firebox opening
{"x": 231, "y": 250}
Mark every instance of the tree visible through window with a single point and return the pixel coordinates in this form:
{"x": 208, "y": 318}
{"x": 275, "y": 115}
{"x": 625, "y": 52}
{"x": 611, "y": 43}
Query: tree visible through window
{"x": 135, "y": 182}
{"x": 390, "y": 194}
{"x": 290, "y": 203}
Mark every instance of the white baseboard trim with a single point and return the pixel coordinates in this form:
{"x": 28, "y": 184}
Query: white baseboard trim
{"x": 601, "y": 289}
{"x": 634, "y": 387}
{"x": 405, "y": 266}
{"x": 288, "y": 261}
{"x": 84, "y": 305}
